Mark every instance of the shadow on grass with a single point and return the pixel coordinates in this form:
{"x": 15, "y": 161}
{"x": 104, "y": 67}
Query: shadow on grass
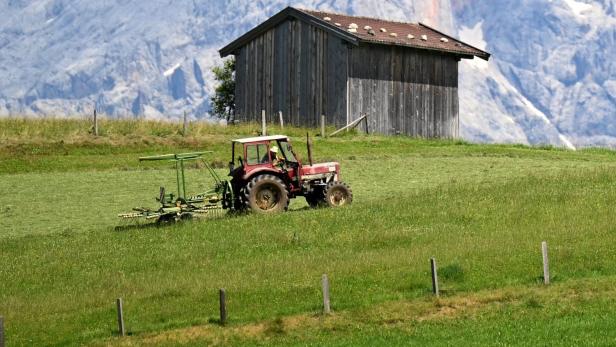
{"x": 129, "y": 227}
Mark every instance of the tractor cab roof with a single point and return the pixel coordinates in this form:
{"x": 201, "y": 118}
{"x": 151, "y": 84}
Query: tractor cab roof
{"x": 261, "y": 139}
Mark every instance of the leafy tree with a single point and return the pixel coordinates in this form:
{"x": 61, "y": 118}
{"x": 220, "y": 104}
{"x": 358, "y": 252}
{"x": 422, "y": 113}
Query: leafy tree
{"x": 223, "y": 101}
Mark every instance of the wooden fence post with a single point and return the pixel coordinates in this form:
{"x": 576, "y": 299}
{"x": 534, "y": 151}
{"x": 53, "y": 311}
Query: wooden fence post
{"x": 121, "y": 329}
{"x": 325, "y": 285}
{"x": 95, "y": 122}
{"x": 366, "y": 124}
{"x": 223, "y": 306}
{"x": 263, "y": 124}
{"x": 1, "y": 331}
{"x": 281, "y": 120}
{"x": 184, "y": 126}
{"x": 434, "y": 277}
{"x": 309, "y": 148}
{"x": 546, "y": 264}
{"x": 323, "y": 126}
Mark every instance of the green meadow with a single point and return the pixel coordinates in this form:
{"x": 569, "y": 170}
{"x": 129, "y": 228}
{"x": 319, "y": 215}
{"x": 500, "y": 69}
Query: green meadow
{"x": 480, "y": 210}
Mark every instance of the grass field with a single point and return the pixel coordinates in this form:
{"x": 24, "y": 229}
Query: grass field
{"x": 481, "y": 210}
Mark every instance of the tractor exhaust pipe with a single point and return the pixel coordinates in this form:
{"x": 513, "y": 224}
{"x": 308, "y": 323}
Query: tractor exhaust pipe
{"x": 309, "y": 148}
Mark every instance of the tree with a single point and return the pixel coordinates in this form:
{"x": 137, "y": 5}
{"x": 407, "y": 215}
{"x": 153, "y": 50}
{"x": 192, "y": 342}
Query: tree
{"x": 223, "y": 101}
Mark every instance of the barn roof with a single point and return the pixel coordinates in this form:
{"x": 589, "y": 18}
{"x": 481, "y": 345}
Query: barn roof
{"x": 369, "y": 30}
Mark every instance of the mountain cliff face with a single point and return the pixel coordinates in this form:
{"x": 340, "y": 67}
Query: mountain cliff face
{"x": 553, "y": 74}
{"x": 552, "y": 78}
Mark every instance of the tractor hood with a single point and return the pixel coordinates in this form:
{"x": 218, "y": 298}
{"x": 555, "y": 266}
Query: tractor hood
{"x": 321, "y": 168}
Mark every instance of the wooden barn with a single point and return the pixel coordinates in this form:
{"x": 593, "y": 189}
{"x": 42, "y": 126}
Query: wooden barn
{"x": 403, "y": 76}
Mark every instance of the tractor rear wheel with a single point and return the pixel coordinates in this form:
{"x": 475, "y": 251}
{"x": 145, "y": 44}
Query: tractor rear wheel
{"x": 338, "y": 194}
{"x": 266, "y": 194}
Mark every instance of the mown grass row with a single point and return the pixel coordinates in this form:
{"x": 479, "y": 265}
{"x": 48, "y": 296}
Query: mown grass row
{"x": 83, "y": 200}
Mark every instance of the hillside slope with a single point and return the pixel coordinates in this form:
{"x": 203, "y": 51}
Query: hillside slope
{"x": 481, "y": 210}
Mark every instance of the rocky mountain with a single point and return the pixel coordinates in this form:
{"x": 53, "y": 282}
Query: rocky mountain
{"x": 551, "y": 79}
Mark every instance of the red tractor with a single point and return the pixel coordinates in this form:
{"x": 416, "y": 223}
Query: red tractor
{"x": 266, "y": 175}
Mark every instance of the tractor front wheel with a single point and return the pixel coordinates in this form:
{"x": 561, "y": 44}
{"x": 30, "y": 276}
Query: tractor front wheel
{"x": 338, "y": 194}
{"x": 267, "y": 194}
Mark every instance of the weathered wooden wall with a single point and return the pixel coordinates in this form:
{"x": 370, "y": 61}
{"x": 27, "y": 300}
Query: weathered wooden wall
{"x": 302, "y": 71}
{"x": 404, "y": 90}
{"x": 295, "y": 68}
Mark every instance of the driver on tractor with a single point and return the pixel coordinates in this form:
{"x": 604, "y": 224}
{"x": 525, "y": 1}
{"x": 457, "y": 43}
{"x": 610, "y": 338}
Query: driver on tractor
{"x": 277, "y": 158}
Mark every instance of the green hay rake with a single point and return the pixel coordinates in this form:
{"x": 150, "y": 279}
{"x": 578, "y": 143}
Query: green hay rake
{"x": 183, "y": 206}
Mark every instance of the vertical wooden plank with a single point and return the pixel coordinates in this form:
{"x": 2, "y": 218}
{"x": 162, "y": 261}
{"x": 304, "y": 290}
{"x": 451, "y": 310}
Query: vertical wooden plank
{"x": 329, "y": 80}
{"x": 410, "y": 110}
{"x": 446, "y": 100}
{"x": 360, "y": 101}
{"x": 293, "y": 68}
{"x": 393, "y": 107}
{"x": 435, "y": 96}
{"x": 277, "y": 53}
{"x": 402, "y": 93}
{"x": 299, "y": 62}
{"x": 426, "y": 92}
{"x": 289, "y": 76}
{"x": 417, "y": 96}
{"x": 355, "y": 97}
{"x": 323, "y": 77}
{"x": 269, "y": 56}
{"x": 385, "y": 90}
{"x": 347, "y": 100}
{"x": 311, "y": 97}
{"x": 252, "y": 83}
{"x": 449, "y": 111}
{"x": 456, "y": 110}
{"x": 372, "y": 89}
{"x": 261, "y": 81}
{"x": 429, "y": 70}
{"x": 272, "y": 78}
{"x": 408, "y": 106}
{"x": 245, "y": 85}
{"x": 304, "y": 77}
{"x": 318, "y": 89}
{"x": 265, "y": 73}
{"x": 397, "y": 90}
